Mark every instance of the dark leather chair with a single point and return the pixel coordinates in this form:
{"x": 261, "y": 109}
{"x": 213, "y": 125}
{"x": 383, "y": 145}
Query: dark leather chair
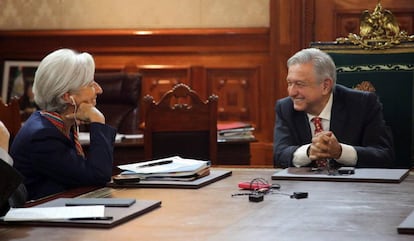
{"x": 392, "y": 77}
{"x": 120, "y": 100}
{"x": 378, "y": 61}
{"x": 181, "y": 124}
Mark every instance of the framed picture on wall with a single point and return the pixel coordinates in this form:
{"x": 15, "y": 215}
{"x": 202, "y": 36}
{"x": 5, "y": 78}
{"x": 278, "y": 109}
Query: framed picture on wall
{"x": 18, "y": 77}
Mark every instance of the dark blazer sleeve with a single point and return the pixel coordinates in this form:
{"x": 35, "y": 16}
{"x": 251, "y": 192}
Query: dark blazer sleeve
{"x": 357, "y": 120}
{"x": 50, "y": 164}
{"x": 290, "y": 132}
{"x": 60, "y": 161}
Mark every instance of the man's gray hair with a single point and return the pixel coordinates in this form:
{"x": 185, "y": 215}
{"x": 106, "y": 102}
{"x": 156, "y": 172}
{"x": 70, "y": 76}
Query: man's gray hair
{"x": 61, "y": 71}
{"x": 323, "y": 64}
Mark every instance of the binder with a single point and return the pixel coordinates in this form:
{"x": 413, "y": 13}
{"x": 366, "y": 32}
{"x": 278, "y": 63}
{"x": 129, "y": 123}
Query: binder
{"x": 107, "y": 202}
{"x": 407, "y": 226}
{"x": 215, "y": 175}
{"x": 119, "y": 215}
{"x": 377, "y": 175}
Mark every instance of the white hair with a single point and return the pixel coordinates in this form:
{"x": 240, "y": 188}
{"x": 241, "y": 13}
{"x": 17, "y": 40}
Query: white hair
{"x": 60, "y": 72}
{"x": 323, "y": 64}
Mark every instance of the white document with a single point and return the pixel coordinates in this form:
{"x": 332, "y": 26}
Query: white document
{"x": 53, "y": 213}
{"x": 131, "y": 136}
{"x": 84, "y": 137}
{"x": 176, "y": 165}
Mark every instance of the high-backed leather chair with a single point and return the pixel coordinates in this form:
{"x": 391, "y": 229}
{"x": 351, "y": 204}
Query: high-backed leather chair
{"x": 181, "y": 124}
{"x": 120, "y": 100}
{"x": 384, "y": 62}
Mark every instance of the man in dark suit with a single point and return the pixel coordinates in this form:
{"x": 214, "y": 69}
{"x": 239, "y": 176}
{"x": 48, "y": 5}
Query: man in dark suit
{"x": 12, "y": 191}
{"x": 352, "y": 131}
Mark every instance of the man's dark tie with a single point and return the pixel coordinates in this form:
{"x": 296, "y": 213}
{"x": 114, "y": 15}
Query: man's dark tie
{"x": 317, "y": 121}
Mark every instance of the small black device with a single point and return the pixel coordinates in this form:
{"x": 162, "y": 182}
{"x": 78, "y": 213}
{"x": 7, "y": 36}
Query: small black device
{"x": 346, "y": 170}
{"x": 257, "y": 197}
{"x": 299, "y": 195}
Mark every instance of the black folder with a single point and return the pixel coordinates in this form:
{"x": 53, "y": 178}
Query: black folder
{"x": 407, "y": 226}
{"x": 119, "y": 215}
{"x": 214, "y": 176}
{"x": 107, "y": 202}
{"x": 380, "y": 175}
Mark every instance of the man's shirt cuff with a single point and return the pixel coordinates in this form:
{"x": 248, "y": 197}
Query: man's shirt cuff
{"x": 300, "y": 157}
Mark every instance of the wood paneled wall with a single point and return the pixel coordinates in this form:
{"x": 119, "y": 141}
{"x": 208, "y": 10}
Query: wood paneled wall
{"x": 231, "y": 63}
{"x": 244, "y": 66}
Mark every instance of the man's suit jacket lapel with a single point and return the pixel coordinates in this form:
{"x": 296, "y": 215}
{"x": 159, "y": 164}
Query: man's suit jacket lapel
{"x": 338, "y": 114}
{"x": 303, "y": 128}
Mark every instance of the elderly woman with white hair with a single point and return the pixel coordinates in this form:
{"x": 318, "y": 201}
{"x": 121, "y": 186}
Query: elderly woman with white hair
{"x": 46, "y": 150}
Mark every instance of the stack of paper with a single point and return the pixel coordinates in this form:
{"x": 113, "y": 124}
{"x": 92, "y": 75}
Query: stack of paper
{"x": 54, "y": 213}
{"x": 171, "y": 168}
{"x": 229, "y": 131}
{"x": 84, "y": 137}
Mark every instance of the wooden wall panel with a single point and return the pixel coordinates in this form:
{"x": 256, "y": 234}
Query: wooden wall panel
{"x": 156, "y": 80}
{"x": 237, "y": 90}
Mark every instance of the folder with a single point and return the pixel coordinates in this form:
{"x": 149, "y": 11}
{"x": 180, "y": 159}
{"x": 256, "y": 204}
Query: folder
{"x": 107, "y": 202}
{"x": 174, "y": 166}
{"x": 407, "y": 226}
{"x": 214, "y": 176}
{"x": 380, "y": 175}
{"x": 118, "y": 215}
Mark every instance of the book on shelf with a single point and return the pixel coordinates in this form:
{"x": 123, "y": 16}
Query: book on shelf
{"x": 84, "y": 137}
{"x": 229, "y": 131}
{"x": 237, "y": 131}
{"x": 246, "y": 136}
{"x": 169, "y": 168}
{"x": 229, "y": 125}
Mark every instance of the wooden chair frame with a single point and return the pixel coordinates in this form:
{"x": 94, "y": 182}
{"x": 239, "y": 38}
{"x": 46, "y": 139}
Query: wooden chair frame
{"x": 180, "y": 110}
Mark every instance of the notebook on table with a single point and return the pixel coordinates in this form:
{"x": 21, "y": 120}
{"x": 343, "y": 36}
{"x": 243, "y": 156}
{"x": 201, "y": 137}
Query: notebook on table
{"x": 214, "y": 176}
{"x": 407, "y": 226}
{"x": 117, "y": 215}
{"x": 380, "y": 175}
{"x": 107, "y": 202}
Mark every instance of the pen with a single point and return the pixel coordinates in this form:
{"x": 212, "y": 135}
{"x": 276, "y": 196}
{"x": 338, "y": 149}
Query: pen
{"x": 156, "y": 164}
{"x": 93, "y": 218}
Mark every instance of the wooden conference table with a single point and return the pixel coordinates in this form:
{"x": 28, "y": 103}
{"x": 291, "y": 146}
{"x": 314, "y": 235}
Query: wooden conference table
{"x": 334, "y": 211}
